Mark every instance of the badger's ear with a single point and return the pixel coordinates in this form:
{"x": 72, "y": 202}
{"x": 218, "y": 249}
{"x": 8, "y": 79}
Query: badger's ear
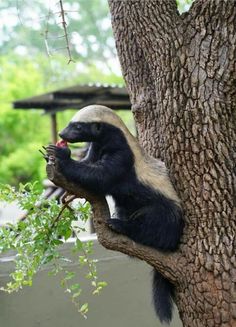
{"x": 96, "y": 128}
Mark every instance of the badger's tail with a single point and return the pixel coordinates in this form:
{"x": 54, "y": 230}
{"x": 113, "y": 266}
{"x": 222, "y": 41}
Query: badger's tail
{"x": 163, "y": 293}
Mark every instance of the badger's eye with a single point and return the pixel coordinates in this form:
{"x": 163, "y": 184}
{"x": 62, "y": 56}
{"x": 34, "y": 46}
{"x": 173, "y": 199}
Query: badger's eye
{"x": 78, "y": 127}
{"x": 96, "y": 128}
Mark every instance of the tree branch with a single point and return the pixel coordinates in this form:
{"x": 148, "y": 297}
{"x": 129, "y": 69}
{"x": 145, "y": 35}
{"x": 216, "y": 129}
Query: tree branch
{"x": 166, "y": 263}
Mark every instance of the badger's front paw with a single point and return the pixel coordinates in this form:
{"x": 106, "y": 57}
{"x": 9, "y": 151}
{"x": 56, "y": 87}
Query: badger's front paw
{"x": 54, "y": 152}
{"x": 57, "y": 158}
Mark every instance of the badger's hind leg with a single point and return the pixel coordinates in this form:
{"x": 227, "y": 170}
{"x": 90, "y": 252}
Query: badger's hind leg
{"x": 159, "y": 226}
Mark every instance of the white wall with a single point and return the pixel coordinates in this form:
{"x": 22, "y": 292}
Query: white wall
{"x": 125, "y": 302}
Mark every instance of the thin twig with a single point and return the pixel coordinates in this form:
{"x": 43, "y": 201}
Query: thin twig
{"x": 65, "y": 206}
{"x": 64, "y": 25}
{"x": 18, "y": 12}
{"x": 46, "y": 33}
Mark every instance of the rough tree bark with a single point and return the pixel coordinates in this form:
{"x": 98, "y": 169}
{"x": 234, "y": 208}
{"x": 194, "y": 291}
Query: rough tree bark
{"x": 180, "y": 72}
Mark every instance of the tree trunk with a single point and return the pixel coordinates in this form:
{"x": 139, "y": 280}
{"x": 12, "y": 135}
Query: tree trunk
{"x": 180, "y": 72}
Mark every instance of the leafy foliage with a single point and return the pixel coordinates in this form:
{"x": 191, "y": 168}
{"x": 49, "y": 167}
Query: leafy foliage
{"x": 36, "y": 241}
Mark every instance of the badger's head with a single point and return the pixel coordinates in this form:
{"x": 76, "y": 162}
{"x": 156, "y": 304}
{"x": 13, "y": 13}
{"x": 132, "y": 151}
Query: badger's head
{"x": 91, "y": 124}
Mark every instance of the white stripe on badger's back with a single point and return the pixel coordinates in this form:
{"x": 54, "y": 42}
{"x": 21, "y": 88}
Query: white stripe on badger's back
{"x": 150, "y": 171}
{"x": 154, "y": 173}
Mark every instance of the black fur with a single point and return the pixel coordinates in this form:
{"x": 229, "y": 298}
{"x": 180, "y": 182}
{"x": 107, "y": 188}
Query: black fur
{"x": 143, "y": 214}
{"x": 163, "y": 295}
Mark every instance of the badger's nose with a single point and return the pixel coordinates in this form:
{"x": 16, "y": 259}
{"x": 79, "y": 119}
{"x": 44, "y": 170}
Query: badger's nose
{"x": 62, "y": 134}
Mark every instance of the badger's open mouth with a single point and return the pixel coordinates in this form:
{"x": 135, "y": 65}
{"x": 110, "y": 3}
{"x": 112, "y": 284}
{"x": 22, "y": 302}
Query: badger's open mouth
{"x": 61, "y": 143}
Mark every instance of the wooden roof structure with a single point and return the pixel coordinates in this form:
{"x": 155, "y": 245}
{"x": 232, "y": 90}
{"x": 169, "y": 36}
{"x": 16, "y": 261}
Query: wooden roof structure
{"x": 76, "y": 97}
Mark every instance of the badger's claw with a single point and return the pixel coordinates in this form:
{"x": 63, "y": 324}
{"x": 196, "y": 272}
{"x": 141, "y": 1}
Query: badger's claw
{"x": 45, "y": 156}
{"x": 51, "y": 150}
{"x": 61, "y": 153}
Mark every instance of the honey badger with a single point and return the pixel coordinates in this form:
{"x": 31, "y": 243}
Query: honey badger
{"x": 148, "y": 209}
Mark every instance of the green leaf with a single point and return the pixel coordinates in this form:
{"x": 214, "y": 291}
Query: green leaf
{"x": 67, "y": 234}
{"x": 57, "y": 242}
{"x": 77, "y": 294}
{"x": 75, "y": 286}
{"x": 102, "y": 284}
{"x": 69, "y": 275}
{"x": 17, "y": 276}
{"x": 79, "y": 244}
{"x": 84, "y": 308}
